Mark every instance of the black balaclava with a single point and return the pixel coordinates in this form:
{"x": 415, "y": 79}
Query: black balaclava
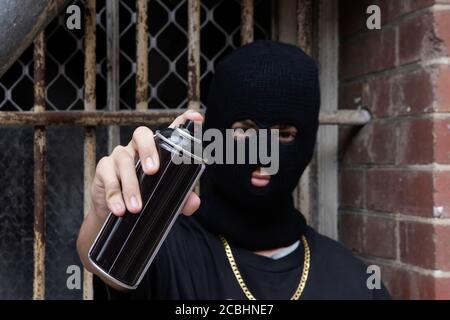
{"x": 269, "y": 83}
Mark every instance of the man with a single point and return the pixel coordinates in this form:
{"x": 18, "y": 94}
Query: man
{"x": 247, "y": 241}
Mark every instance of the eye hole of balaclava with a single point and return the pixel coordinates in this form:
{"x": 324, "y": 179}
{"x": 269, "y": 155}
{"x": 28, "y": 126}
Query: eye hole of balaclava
{"x": 286, "y": 133}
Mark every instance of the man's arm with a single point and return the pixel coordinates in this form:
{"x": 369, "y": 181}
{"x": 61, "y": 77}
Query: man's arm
{"x": 115, "y": 187}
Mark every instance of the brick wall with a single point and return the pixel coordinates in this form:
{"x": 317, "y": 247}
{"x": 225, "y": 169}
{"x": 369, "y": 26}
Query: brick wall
{"x": 395, "y": 172}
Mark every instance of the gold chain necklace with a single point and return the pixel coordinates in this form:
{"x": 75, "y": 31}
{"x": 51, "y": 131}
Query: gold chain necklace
{"x": 244, "y": 287}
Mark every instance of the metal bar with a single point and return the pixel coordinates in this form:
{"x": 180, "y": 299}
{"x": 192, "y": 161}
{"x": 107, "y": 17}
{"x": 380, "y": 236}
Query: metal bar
{"x": 90, "y": 64}
{"x": 141, "y": 56}
{"x": 112, "y": 57}
{"x": 194, "y": 60}
{"x": 285, "y": 21}
{"x": 327, "y": 138}
{"x": 304, "y": 25}
{"x": 89, "y": 118}
{"x": 345, "y": 117}
{"x": 247, "y": 33}
{"x": 90, "y": 102}
{"x": 275, "y": 20}
{"x": 194, "y": 54}
{"x": 39, "y": 171}
{"x": 154, "y": 117}
{"x": 304, "y": 41}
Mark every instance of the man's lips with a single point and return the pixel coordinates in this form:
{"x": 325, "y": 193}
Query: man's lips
{"x": 260, "y": 179}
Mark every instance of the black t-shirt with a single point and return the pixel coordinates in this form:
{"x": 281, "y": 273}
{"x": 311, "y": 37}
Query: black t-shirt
{"x": 192, "y": 264}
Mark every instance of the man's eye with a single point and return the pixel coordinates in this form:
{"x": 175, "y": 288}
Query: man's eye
{"x": 287, "y": 136}
{"x": 243, "y": 132}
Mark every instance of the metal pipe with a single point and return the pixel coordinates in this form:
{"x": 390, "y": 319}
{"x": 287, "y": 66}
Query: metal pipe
{"x": 151, "y": 118}
{"x": 194, "y": 54}
{"x": 39, "y": 171}
{"x": 345, "y": 117}
{"x": 247, "y": 29}
{"x": 90, "y": 103}
{"x": 141, "y": 56}
{"x": 20, "y": 22}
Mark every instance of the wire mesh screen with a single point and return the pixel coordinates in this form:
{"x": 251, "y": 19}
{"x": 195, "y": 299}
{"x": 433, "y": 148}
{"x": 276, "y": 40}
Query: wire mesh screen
{"x": 220, "y": 33}
{"x": 167, "y": 21}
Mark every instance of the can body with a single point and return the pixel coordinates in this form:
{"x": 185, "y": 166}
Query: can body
{"x": 126, "y": 246}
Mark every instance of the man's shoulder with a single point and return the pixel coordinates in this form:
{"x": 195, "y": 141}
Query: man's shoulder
{"x": 333, "y": 252}
{"x": 338, "y": 267}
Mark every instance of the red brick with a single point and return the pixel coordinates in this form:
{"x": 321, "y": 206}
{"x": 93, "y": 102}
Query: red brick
{"x": 369, "y": 52}
{"x": 425, "y": 245}
{"x": 442, "y": 240}
{"x": 352, "y": 17}
{"x": 390, "y": 10}
{"x": 442, "y": 289}
{"x": 416, "y": 142}
{"x": 380, "y": 237}
{"x": 408, "y": 284}
{"x": 443, "y": 89}
{"x": 353, "y": 14}
{"x": 442, "y": 26}
{"x": 442, "y": 141}
{"x": 417, "y": 245}
{"x": 350, "y": 95}
{"x": 442, "y": 194}
{"x": 413, "y": 5}
{"x": 413, "y": 33}
{"x": 407, "y": 192}
{"x": 346, "y": 135}
{"x": 351, "y": 188}
{"x": 393, "y": 278}
{"x": 351, "y": 230}
{"x": 377, "y": 96}
{"x": 374, "y": 143}
{"x": 412, "y": 93}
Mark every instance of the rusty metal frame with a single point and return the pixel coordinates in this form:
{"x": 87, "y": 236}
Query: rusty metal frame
{"x": 151, "y": 118}
{"x": 90, "y": 104}
{"x": 247, "y": 23}
{"x": 90, "y": 117}
{"x": 193, "y": 54}
{"x": 39, "y": 171}
{"x": 304, "y": 25}
{"x": 304, "y": 41}
{"x": 112, "y": 68}
{"x": 141, "y": 55}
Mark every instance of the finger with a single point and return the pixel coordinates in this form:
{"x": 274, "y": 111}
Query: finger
{"x": 144, "y": 144}
{"x": 191, "y": 205}
{"x": 107, "y": 176}
{"x": 188, "y": 115}
{"x": 125, "y": 167}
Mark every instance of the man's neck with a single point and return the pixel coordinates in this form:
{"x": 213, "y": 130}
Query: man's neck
{"x": 278, "y": 252}
{"x": 268, "y": 253}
